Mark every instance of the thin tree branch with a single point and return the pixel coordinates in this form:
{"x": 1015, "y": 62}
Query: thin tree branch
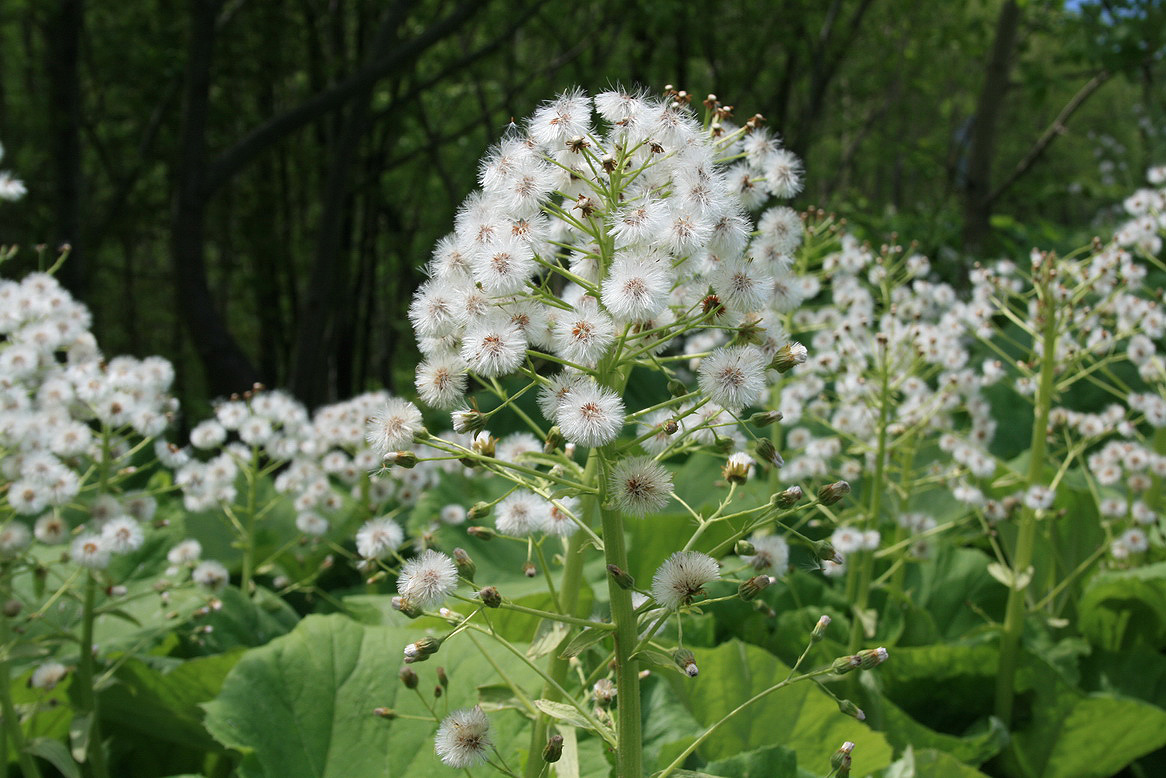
{"x": 1058, "y": 127}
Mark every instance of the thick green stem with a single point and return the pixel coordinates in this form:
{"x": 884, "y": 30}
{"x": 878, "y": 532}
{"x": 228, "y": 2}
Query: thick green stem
{"x": 1026, "y": 536}
{"x": 859, "y": 581}
{"x": 86, "y": 674}
{"x": 569, "y": 600}
{"x": 629, "y": 752}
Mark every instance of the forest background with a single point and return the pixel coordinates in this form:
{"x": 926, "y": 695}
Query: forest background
{"x": 251, "y": 188}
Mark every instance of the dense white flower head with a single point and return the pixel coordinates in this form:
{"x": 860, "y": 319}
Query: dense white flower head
{"x": 463, "y": 738}
{"x": 733, "y": 377}
{"x": 639, "y": 486}
{"x": 393, "y": 426}
{"x": 378, "y": 538}
{"x": 521, "y": 513}
{"x": 682, "y": 577}
{"x": 590, "y": 415}
{"x": 426, "y": 580}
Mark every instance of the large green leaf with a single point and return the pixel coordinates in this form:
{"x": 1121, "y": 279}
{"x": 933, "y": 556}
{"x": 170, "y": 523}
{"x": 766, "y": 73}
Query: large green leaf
{"x": 801, "y": 718}
{"x": 302, "y": 705}
{"x": 165, "y": 705}
{"x": 1126, "y": 608}
{"x": 770, "y": 762}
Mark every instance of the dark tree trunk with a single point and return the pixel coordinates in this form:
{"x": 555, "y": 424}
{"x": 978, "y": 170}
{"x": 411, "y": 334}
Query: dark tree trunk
{"x": 977, "y": 187}
{"x": 227, "y": 368}
{"x": 62, "y": 52}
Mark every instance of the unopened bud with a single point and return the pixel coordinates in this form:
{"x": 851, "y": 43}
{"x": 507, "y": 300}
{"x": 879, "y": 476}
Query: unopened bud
{"x": 768, "y": 453}
{"x": 384, "y": 713}
{"x": 481, "y": 533}
{"x": 871, "y": 657}
{"x": 850, "y": 709}
{"x": 763, "y": 608}
{"x": 787, "y": 498}
{"x": 442, "y": 678}
{"x": 686, "y": 661}
{"x": 465, "y": 566}
{"x": 819, "y": 630}
{"x": 844, "y": 664}
{"x": 623, "y": 579}
{"x": 529, "y": 570}
{"x": 832, "y": 493}
{"x": 841, "y": 759}
{"x": 788, "y": 356}
{"x": 744, "y": 548}
{"x": 490, "y": 597}
{"x": 404, "y": 606}
{"x": 405, "y": 459}
{"x": 12, "y": 608}
{"x": 765, "y": 418}
{"x": 554, "y": 440}
{"x": 421, "y": 650}
{"x": 437, "y": 690}
{"x": 408, "y": 677}
{"x": 754, "y": 586}
{"x": 825, "y": 552}
{"x": 479, "y": 511}
{"x": 553, "y": 751}
{"x": 421, "y": 435}
{"x": 677, "y": 388}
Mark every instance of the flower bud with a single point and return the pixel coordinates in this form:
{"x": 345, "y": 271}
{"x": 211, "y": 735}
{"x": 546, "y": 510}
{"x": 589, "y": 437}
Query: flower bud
{"x": 465, "y": 566}
{"x": 468, "y": 421}
{"x": 421, "y": 435}
{"x": 871, "y": 657}
{"x": 832, "y": 493}
{"x": 384, "y": 713}
{"x": 623, "y": 579}
{"x": 768, "y": 453}
{"x": 490, "y": 597}
{"x": 754, "y": 586}
{"x": 765, "y": 418}
{"x": 529, "y": 570}
{"x": 788, "y": 356}
{"x": 484, "y": 443}
{"x": 844, "y": 664}
{"x": 437, "y": 690}
{"x": 677, "y": 388}
{"x": 479, "y": 511}
{"x": 819, "y": 630}
{"x": 686, "y": 661}
{"x": 554, "y": 440}
{"x": 408, "y": 677}
{"x": 405, "y": 459}
{"x": 12, "y": 608}
{"x": 481, "y": 533}
{"x": 442, "y": 678}
{"x": 737, "y": 468}
{"x": 787, "y": 498}
{"x": 840, "y": 761}
{"x": 744, "y": 548}
{"x": 404, "y": 606}
{"x": 605, "y": 692}
{"x": 553, "y": 751}
{"x": 421, "y": 650}
{"x": 825, "y": 552}
{"x": 850, "y": 709}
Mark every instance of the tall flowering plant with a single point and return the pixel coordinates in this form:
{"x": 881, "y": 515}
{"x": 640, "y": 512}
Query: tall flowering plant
{"x": 610, "y": 246}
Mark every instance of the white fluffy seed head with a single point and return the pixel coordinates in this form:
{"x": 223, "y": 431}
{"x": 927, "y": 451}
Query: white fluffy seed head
{"x": 378, "y": 537}
{"x": 590, "y": 415}
{"x": 494, "y": 346}
{"x": 441, "y": 381}
{"x": 521, "y": 513}
{"x": 733, "y": 377}
{"x": 682, "y": 577}
{"x": 426, "y": 580}
{"x": 639, "y": 486}
{"x": 463, "y": 738}
{"x": 393, "y": 426}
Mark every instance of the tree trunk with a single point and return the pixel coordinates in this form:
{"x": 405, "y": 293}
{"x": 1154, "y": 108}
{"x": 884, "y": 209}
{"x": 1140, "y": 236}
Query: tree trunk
{"x": 977, "y": 188}
{"x": 227, "y": 368}
{"x": 62, "y": 52}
